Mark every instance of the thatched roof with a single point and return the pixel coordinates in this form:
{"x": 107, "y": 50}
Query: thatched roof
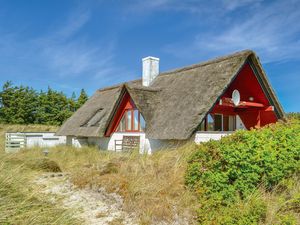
{"x": 175, "y": 103}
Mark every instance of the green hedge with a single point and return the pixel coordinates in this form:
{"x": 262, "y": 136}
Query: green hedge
{"x": 227, "y": 171}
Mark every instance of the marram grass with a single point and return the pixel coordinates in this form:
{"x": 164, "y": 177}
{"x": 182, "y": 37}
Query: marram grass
{"x": 153, "y": 187}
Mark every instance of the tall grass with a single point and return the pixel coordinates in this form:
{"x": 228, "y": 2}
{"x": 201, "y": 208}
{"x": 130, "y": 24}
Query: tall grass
{"x": 152, "y": 186}
{"x": 20, "y": 203}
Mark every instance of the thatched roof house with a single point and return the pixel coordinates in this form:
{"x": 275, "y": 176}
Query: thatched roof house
{"x": 178, "y": 104}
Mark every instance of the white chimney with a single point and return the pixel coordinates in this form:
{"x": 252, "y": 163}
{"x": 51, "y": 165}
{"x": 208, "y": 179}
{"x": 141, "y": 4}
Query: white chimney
{"x": 150, "y": 69}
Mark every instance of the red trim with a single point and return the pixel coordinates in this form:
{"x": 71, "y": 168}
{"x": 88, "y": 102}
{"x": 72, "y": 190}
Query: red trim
{"x": 228, "y": 102}
{"x": 126, "y": 105}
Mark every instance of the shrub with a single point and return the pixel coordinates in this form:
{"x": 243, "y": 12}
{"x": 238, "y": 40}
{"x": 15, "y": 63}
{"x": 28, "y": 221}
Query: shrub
{"x": 240, "y": 212}
{"x": 226, "y": 171}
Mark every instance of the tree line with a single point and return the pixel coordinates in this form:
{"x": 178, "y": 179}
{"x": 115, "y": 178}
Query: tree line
{"x": 24, "y": 105}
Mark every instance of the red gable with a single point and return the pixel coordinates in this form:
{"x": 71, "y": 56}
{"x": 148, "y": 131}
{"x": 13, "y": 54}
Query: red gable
{"x": 255, "y": 109}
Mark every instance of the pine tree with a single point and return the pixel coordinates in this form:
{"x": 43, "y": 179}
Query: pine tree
{"x": 18, "y": 104}
{"x": 6, "y": 100}
{"x": 24, "y": 105}
{"x": 73, "y": 103}
{"x": 83, "y": 97}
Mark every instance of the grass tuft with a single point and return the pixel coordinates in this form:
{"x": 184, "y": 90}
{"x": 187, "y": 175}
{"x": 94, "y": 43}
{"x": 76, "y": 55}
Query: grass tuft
{"x": 43, "y": 164}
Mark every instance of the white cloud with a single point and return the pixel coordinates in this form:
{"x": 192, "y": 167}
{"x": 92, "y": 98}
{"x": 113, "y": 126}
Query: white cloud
{"x": 63, "y": 51}
{"x": 70, "y": 56}
{"x": 203, "y": 7}
{"x": 273, "y": 30}
{"x": 236, "y": 4}
{"x": 74, "y": 23}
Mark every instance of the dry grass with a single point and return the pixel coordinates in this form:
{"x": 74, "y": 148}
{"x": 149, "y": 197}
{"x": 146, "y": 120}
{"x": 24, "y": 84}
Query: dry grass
{"x": 19, "y": 202}
{"x": 152, "y": 186}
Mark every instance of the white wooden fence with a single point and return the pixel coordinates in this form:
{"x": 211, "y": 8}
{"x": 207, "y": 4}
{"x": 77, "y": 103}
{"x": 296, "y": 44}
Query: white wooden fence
{"x": 16, "y": 141}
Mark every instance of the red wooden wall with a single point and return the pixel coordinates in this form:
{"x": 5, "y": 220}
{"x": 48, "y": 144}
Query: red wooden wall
{"x": 248, "y": 86}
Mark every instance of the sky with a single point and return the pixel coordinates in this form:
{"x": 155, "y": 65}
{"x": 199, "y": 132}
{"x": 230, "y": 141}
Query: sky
{"x": 69, "y": 45}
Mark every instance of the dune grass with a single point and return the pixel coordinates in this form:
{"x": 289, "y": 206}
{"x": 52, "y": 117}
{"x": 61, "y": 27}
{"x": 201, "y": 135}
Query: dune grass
{"x": 20, "y": 203}
{"x": 152, "y": 187}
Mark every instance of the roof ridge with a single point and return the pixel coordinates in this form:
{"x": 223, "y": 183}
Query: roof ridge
{"x": 117, "y": 85}
{"x": 208, "y": 62}
{"x": 204, "y": 63}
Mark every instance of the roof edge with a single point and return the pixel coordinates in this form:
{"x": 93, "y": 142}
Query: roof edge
{"x": 247, "y": 52}
{"x": 254, "y": 60}
{"x": 117, "y": 85}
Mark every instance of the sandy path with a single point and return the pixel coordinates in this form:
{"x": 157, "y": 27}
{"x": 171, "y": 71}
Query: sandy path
{"x": 91, "y": 206}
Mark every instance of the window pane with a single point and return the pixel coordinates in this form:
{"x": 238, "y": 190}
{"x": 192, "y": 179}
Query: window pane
{"x": 128, "y": 120}
{"x": 122, "y": 124}
{"x": 210, "y": 123}
{"x": 202, "y": 125}
{"x": 231, "y": 123}
{"x": 218, "y": 122}
{"x": 225, "y": 123}
{"x": 136, "y": 120}
{"x": 142, "y": 123}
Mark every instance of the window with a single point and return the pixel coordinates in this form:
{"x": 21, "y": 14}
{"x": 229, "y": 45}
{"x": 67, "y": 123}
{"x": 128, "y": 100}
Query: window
{"x": 225, "y": 123}
{"x": 210, "y": 123}
{"x": 202, "y": 125}
{"x": 121, "y": 126}
{"x": 218, "y": 122}
{"x": 132, "y": 121}
{"x": 129, "y": 119}
{"x": 136, "y": 118}
{"x": 231, "y": 123}
{"x": 142, "y": 123}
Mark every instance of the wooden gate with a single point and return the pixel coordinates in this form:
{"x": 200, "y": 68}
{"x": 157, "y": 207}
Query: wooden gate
{"x": 128, "y": 143}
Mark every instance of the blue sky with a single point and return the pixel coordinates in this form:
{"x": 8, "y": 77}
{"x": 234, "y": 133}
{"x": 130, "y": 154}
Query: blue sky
{"x": 70, "y": 45}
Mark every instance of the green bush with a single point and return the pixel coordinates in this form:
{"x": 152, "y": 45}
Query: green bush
{"x": 249, "y": 212}
{"x": 226, "y": 171}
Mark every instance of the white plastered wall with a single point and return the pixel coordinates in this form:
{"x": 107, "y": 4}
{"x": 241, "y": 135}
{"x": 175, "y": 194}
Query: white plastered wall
{"x": 77, "y": 142}
{"x": 147, "y": 145}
